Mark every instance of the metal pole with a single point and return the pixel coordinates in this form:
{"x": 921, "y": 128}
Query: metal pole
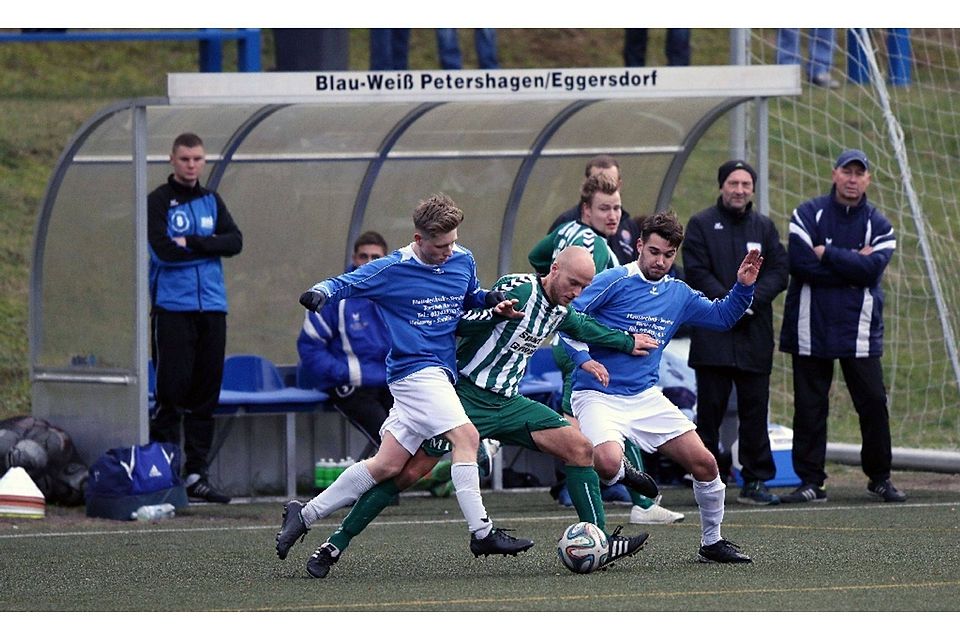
{"x": 738, "y": 117}
{"x": 142, "y": 311}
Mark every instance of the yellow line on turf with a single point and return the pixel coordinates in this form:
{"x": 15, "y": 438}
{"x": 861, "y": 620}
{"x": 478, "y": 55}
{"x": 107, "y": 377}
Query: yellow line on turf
{"x": 646, "y": 595}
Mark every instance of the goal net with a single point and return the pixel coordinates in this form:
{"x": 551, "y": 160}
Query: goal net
{"x": 899, "y": 101}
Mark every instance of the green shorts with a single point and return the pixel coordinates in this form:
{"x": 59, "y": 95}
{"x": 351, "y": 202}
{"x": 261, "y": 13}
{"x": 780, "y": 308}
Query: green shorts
{"x": 566, "y": 366}
{"x": 509, "y": 420}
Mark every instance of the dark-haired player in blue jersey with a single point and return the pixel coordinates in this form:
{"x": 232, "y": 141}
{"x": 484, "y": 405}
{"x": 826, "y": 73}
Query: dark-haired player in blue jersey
{"x": 421, "y": 290}
{"x": 641, "y": 298}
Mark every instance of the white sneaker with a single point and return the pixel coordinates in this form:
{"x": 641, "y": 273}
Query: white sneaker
{"x": 655, "y": 514}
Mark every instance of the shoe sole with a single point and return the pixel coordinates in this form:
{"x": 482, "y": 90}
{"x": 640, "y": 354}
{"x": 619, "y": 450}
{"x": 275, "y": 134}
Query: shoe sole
{"x": 646, "y": 536}
{"x": 501, "y": 553}
{"x": 283, "y": 556}
{"x": 883, "y": 499}
{"x": 671, "y": 521}
{"x": 706, "y": 560}
{"x": 785, "y": 501}
{"x": 757, "y": 503}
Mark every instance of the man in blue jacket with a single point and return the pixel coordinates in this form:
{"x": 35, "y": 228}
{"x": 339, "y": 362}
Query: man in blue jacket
{"x": 839, "y": 247}
{"x": 189, "y": 229}
{"x": 343, "y": 350}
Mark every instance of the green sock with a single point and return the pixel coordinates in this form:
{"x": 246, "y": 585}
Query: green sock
{"x": 363, "y": 512}
{"x": 439, "y": 475}
{"x": 632, "y": 453}
{"x": 583, "y": 483}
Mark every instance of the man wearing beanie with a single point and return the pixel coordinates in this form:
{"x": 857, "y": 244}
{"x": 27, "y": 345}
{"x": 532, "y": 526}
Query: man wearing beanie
{"x": 839, "y": 247}
{"x": 741, "y": 358}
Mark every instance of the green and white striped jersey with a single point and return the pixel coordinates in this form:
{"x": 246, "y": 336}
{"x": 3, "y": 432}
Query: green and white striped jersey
{"x": 493, "y": 351}
{"x": 572, "y": 234}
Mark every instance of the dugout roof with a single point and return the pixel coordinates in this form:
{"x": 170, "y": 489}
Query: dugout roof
{"x": 306, "y": 162}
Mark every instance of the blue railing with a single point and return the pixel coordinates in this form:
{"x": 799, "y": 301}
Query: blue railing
{"x": 210, "y": 40}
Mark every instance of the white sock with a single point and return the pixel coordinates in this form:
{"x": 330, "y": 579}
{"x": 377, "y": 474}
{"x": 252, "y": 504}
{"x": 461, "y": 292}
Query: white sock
{"x": 352, "y": 483}
{"x": 466, "y": 480}
{"x": 709, "y": 496}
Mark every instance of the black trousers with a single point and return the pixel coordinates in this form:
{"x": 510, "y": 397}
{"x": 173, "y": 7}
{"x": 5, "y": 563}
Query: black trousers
{"x": 365, "y": 407}
{"x": 812, "y": 378}
{"x": 753, "y": 395}
{"x": 188, "y": 351}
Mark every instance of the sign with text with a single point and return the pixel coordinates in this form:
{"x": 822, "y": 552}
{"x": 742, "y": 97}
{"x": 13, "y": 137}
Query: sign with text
{"x": 470, "y": 85}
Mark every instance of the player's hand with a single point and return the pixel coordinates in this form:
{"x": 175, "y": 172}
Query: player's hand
{"x": 750, "y": 268}
{"x": 643, "y": 344}
{"x": 505, "y": 309}
{"x": 313, "y": 299}
{"x": 597, "y": 370}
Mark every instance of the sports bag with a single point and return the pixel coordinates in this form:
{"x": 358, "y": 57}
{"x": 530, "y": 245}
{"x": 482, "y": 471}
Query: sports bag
{"x": 136, "y": 470}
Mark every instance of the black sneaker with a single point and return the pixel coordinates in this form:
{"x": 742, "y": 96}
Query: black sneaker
{"x": 756, "y": 493}
{"x": 619, "y": 546}
{"x": 199, "y": 489}
{"x": 805, "y": 493}
{"x": 885, "y": 490}
{"x": 498, "y": 543}
{"x": 291, "y": 528}
{"x": 722, "y": 552}
{"x": 322, "y": 559}
{"x": 639, "y": 481}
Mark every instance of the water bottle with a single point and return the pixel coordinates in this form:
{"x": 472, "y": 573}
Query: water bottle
{"x": 153, "y": 512}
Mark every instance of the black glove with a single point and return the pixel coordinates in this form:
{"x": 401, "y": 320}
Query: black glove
{"x": 313, "y": 299}
{"x": 493, "y": 298}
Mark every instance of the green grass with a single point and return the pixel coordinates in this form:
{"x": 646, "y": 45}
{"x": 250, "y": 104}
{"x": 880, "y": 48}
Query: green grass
{"x": 848, "y": 554}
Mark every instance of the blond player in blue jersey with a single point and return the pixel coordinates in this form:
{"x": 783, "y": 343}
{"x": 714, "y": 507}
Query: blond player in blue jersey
{"x": 421, "y": 290}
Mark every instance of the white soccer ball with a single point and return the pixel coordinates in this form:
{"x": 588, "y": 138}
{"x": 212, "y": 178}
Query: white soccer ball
{"x": 582, "y": 548}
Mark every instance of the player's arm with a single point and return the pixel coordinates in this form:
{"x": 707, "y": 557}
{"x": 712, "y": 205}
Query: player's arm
{"x": 587, "y": 330}
{"x": 226, "y": 240}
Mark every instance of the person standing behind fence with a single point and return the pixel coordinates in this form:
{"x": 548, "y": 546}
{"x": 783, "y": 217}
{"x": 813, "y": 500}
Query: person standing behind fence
{"x": 343, "y": 350}
{"x": 742, "y": 357}
{"x": 839, "y": 247}
{"x": 189, "y": 230}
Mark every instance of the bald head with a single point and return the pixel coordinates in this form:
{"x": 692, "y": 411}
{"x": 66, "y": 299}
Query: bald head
{"x": 571, "y": 271}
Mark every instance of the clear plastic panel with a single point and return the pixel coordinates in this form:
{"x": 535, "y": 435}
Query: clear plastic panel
{"x": 319, "y": 129}
{"x": 214, "y": 124}
{"x": 622, "y": 124}
{"x": 479, "y": 187}
{"x": 88, "y": 293}
{"x": 295, "y": 220}
{"x": 479, "y": 127}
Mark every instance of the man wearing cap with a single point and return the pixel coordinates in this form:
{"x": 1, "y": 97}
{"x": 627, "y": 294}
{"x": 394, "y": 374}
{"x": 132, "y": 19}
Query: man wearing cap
{"x": 741, "y": 358}
{"x": 839, "y": 246}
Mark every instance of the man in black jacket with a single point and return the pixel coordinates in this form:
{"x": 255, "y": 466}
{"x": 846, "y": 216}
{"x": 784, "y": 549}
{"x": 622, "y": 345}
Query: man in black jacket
{"x": 714, "y": 245}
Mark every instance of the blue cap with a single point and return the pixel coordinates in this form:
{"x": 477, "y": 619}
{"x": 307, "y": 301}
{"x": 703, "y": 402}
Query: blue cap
{"x": 852, "y": 155}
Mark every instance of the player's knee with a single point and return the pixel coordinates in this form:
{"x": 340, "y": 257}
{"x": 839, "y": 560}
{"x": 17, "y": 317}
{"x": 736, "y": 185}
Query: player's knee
{"x": 578, "y": 450}
{"x": 464, "y": 436}
{"x": 607, "y": 461}
{"x": 704, "y": 467}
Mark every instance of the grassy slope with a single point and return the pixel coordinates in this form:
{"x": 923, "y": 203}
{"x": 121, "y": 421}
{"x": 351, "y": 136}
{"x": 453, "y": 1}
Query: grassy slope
{"x": 47, "y": 91}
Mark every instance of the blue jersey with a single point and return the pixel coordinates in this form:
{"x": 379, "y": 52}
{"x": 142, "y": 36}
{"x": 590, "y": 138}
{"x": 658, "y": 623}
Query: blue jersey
{"x": 622, "y": 298}
{"x": 420, "y": 303}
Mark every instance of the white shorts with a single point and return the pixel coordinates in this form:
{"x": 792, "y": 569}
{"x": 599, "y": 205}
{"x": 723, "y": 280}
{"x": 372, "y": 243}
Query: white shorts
{"x": 425, "y": 404}
{"x": 649, "y": 419}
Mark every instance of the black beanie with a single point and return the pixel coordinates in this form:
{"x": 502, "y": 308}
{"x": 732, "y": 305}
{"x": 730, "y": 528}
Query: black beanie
{"x": 732, "y": 165}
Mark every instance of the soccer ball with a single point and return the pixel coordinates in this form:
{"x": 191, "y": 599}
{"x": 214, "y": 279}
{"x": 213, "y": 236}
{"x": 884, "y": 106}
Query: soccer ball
{"x": 582, "y": 548}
